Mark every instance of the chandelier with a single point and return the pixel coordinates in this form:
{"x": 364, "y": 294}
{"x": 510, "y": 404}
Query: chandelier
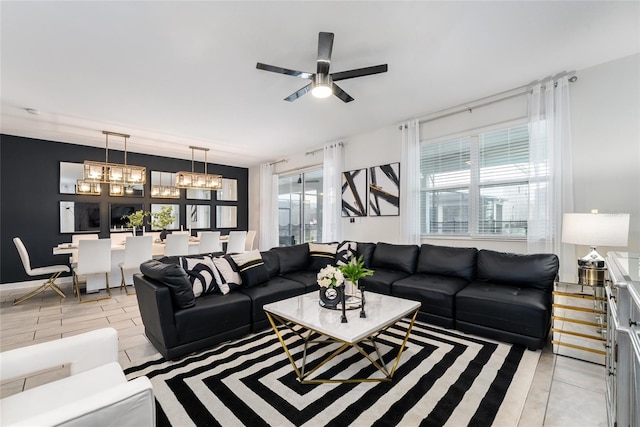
{"x": 164, "y": 191}
{"x": 88, "y": 187}
{"x": 196, "y": 180}
{"x": 120, "y": 177}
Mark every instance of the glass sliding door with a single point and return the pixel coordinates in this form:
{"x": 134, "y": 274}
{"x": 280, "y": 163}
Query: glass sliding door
{"x": 300, "y": 208}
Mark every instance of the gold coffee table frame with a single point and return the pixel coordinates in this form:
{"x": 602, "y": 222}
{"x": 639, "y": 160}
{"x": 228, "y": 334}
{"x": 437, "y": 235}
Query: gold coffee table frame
{"x": 279, "y": 322}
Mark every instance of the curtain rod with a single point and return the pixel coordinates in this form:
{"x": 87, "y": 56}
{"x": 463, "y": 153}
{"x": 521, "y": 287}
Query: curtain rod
{"x": 502, "y": 96}
{"x": 278, "y": 161}
{"x": 320, "y": 149}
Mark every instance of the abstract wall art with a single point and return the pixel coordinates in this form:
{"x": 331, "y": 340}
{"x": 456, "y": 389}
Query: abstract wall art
{"x": 354, "y": 193}
{"x": 384, "y": 190}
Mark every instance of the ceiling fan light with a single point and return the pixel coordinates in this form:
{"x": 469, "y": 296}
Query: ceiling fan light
{"x": 321, "y": 91}
{"x": 321, "y": 87}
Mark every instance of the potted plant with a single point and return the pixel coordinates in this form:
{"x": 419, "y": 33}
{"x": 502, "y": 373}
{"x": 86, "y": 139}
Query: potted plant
{"x": 135, "y": 220}
{"x": 163, "y": 219}
{"x": 354, "y": 270}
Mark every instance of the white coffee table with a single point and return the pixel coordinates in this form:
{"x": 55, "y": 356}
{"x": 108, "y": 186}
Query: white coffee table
{"x": 304, "y": 316}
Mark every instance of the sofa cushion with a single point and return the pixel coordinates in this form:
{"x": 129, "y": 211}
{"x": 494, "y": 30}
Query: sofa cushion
{"x": 213, "y": 314}
{"x": 174, "y": 277}
{"x": 381, "y": 280}
{"x": 251, "y": 268}
{"x": 366, "y": 251}
{"x": 345, "y": 251}
{"x": 536, "y": 271}
{"x": 201, "y": 272}
{"x": 230, "y": 277}
{"x": 436, "y": 293}
{"x": 293, "y": 258}
{"x": 321, "y": 255}
{"x": 447, "y": 261}
{"x": 307, "y": 277}
{"x": 395, "y": 257}
{"x": 276, "y": 289}
{"x": 271, "y": 262}
{"x": 520, "y": 310}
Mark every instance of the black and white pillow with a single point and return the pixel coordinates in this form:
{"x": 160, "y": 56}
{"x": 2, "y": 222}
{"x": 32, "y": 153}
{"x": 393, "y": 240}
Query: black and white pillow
{"x": 201, "y": 272}
{"x": 321, "y": 255}
{"x": 229, "y": 278}
{"x": 346, "y": 250}
{"x": 251, "y": 268}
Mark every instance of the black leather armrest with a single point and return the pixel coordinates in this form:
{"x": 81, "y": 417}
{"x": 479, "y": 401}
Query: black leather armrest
{"x": 156, "y": 309}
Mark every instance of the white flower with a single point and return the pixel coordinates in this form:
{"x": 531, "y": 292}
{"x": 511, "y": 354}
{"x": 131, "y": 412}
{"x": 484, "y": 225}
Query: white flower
{"x": 330, "y": 276}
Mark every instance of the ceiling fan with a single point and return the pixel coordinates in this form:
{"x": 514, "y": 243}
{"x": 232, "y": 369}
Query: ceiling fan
{"x": 322, "y": 83}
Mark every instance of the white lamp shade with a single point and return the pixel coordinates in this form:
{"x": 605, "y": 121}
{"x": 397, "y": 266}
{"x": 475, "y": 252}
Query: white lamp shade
{"x": 595, "y": 229}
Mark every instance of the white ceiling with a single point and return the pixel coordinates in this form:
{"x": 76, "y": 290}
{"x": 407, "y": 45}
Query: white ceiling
{"x": 174, "y": 74}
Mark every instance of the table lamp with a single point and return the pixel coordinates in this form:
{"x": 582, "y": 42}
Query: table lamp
{"x": 594, "y": 229}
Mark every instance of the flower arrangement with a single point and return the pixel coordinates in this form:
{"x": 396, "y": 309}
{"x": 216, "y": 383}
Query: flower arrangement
{"x": 355, "y": 270}
{"x": 330, "y": 277}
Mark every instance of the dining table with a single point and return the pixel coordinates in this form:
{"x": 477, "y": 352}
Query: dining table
{"x": 96, "y": 282}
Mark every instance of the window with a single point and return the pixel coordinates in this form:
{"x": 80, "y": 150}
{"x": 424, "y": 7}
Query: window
{"x": 476, "y": 184}
{"x": 300, "y": 208}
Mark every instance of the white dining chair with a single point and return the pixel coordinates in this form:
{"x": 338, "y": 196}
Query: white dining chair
{"x": 176, "y": 244}
{"x": 94, "y": 257}
{"x": 75, "y": 239}
{"x": 53, "y": 270}
{"x": 119, "y": 238}
{"x": 181, "y": 232}
{"x": 209, "y": 242}
{"x": 155, "y": 235}
{"x": 237, "y": 241}
{"x": 136, "y": 251}
{"x": 251, "y": 237}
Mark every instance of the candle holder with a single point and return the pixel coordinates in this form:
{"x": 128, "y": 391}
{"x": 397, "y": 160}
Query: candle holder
{"x": 363, "y": 315}
{"x": 344, "y": 306}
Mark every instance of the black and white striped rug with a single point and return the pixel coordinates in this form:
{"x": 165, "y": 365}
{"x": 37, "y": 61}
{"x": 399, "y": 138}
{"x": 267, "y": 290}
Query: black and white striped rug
{"x": 444, "y": 378}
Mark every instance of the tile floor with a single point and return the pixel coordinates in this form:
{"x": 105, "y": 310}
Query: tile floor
{"x": 565, "y": 392}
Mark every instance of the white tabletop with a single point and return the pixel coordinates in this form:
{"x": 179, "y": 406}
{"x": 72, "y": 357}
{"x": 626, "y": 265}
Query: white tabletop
{"x": 381, "y": 310}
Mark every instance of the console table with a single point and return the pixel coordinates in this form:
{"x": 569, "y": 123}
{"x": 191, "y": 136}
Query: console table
{"x": 622, "y": 359}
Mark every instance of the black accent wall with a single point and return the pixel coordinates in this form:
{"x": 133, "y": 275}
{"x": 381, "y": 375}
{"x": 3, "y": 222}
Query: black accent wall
{"x": 30, "y": 197}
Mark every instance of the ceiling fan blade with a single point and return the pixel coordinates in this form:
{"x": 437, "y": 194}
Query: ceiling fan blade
{"x": 325, "y": 46}
{"x": 341, "y": 94}
{"x": 359, "y": 72}
{"x": 287, "y": 71}
{"x": 297, "y": 94}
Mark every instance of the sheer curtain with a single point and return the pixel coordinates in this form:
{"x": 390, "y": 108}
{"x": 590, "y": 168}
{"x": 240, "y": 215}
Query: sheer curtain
{"x": 268, "y": 207}
{"x": 550, "y": 172}
{"x": 332, "y": 192}
{"x": 410, "y": 183}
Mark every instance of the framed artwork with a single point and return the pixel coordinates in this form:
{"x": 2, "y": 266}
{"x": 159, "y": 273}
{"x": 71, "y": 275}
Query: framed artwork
{"x": 384, "y": 190}
{"x": 354, "y": 193}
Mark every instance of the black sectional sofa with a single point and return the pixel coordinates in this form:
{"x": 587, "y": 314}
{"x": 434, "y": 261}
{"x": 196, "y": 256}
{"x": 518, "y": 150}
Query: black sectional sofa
{"x": 503, "y": 296}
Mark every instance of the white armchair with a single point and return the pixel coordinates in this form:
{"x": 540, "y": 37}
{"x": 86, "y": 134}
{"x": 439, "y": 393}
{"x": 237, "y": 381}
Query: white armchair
{"x": 95, "y": 394}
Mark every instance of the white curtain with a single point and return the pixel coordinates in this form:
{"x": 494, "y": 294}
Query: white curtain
{"x": 332, "y": 193}
{"x": 268, "y": 207}
{"x": 410, "y": 184}
{"x": 550, "y": 155}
